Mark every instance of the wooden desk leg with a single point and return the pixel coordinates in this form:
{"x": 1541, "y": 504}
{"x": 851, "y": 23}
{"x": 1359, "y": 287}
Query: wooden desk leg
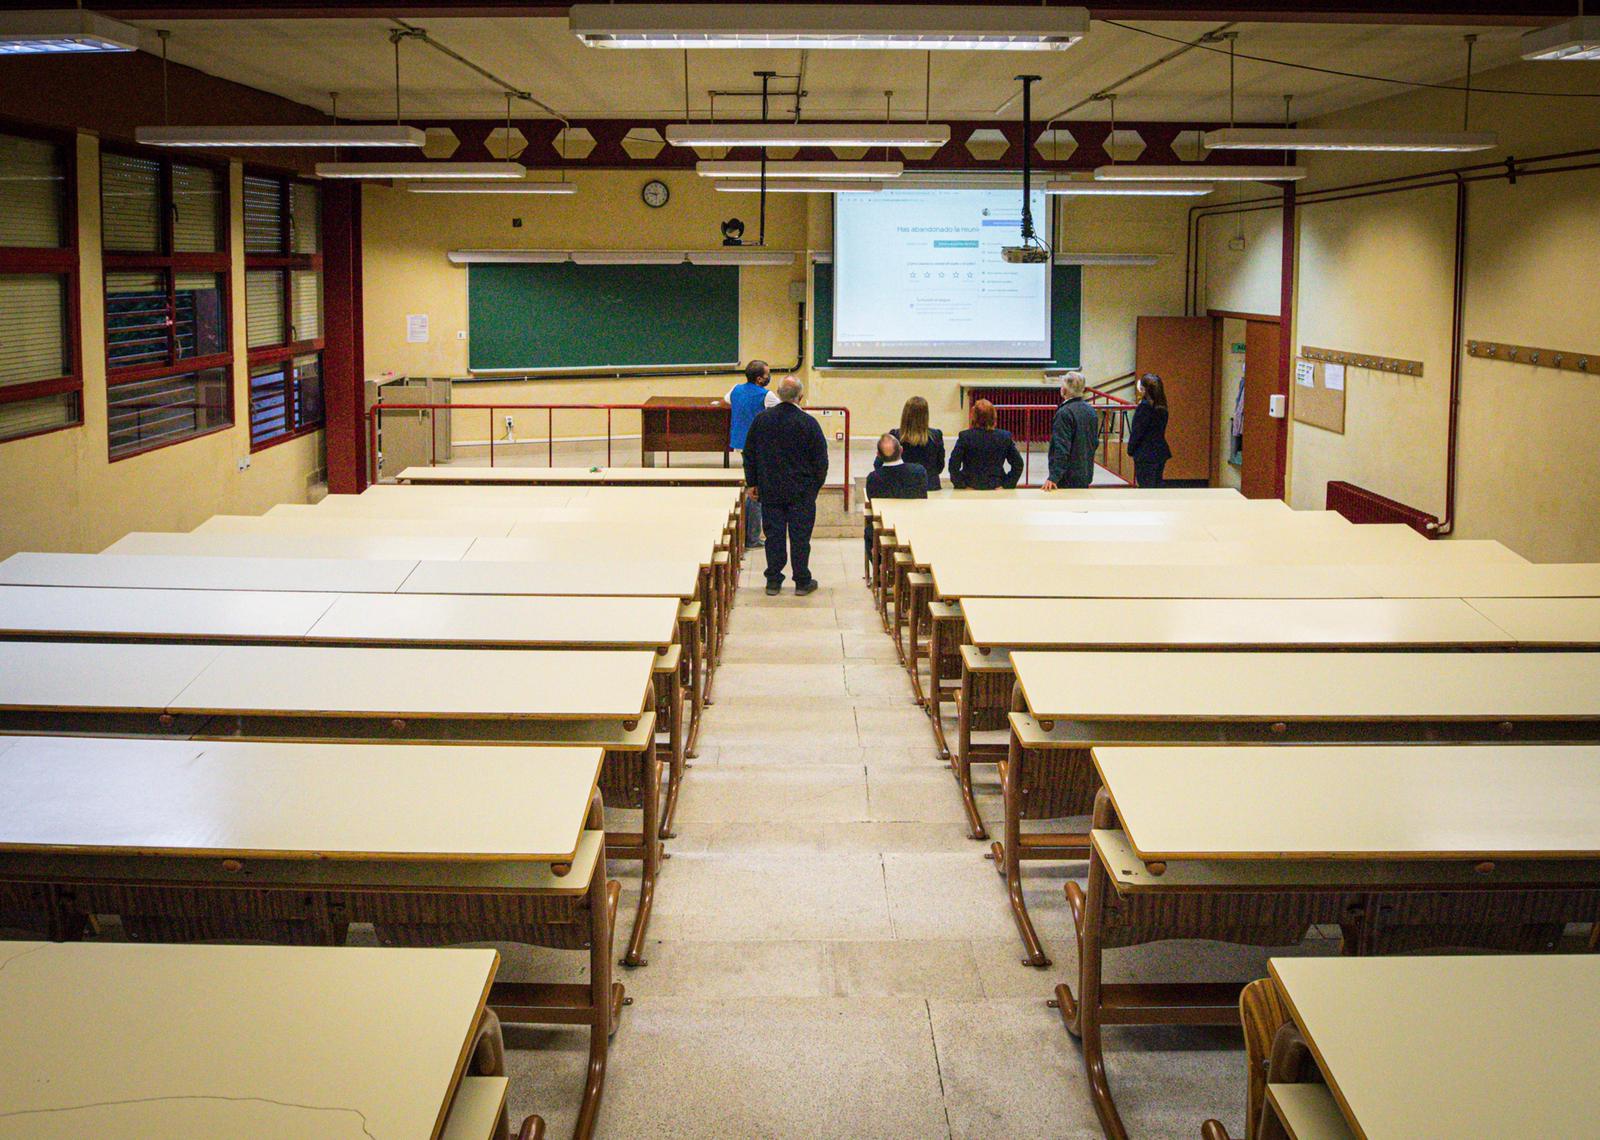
{"x": 901, "y": 604}
{"x": 936, "y": 688}
{"x": 708, "y": 611}
{"x": 697, "y": 691}
{"x": 1007, "y": 856}
{"x": 675, "y": 780}
{"x": 962, "y": 760}
{"x": 916, "y": 604}
{"x": 650, "y": 852}
{"x": 1082, "y": 1015}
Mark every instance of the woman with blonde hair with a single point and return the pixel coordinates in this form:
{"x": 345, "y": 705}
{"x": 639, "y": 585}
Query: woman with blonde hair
{"x": 985, "y": 457}
{"x": 919, "y": 443}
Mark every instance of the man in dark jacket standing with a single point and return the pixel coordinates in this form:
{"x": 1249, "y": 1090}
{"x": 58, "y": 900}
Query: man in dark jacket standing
{"x": 1074, "y": 435}
{"x": 785, "y": 466}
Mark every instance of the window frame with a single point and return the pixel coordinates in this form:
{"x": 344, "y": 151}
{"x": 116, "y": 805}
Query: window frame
{"x": 59, "y": 261}
{"x": 285, "y": 262}
{"x": 170, "y": 263}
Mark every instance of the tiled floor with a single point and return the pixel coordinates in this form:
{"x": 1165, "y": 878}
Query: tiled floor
{"x": 830, "y": 955}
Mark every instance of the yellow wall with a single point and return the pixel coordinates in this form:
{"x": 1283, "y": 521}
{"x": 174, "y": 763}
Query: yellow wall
{"x": 406, "y": 237}
{"x": 1374, "y": 276}
{"x": 63, "y": 492}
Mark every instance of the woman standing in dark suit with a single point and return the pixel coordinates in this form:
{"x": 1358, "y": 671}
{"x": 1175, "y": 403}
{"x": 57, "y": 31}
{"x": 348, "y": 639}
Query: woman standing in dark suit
{"x": 919, "y": 443}
{"x": 1147, "y": 439}
{"x": 985, "y": 457}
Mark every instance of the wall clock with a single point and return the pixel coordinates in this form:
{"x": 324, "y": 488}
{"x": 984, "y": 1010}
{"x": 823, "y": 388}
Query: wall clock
{"x": 655, "y": 193}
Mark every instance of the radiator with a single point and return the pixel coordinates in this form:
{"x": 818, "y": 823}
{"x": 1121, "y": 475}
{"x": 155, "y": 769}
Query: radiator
{"x": 1360, "y": 505}
{"x": 1025, "y": 426}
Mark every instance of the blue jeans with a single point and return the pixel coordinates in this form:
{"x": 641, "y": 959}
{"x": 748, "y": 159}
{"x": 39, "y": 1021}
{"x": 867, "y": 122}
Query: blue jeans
{"x": 789, "y": 535}
{"x": 752, "y": 522}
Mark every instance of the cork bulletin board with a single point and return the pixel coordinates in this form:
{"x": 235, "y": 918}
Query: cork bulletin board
{"x": 1317, "y": 394}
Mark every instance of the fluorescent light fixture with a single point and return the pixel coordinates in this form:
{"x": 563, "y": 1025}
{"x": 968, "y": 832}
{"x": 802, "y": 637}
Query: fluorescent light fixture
{"x": 1138, "y": 260}
{"x": 67, "y": 32}
{"x": 807, "y": 134}
{"x": 1287, "y": 138}
{"x": 430, "y": 170}
{"x": 740, "y": 257}
{"x": 508, "y": 256}
{"x": 347, "y": 134}
{"x": 1074, "y": 188}
{"x": 1198, "y": 172}
{"x": 502, "y": 186}
{"x": 869, "y": 170}
{"x": 627, "y": 256}
{"x": 799, "y": 186}
{"x": 1575, "y": 39}
{"x": 884, "y": 27}
{"x": 916, "y": 180}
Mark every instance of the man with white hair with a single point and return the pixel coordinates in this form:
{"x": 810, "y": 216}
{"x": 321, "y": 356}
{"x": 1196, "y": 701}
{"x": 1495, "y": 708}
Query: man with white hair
{"x": 1074, "y": 435}
{"x": 785, "y": 466}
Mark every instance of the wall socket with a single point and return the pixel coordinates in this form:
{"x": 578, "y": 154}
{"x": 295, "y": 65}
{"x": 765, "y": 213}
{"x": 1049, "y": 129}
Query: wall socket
{"x": 244, "y": 463}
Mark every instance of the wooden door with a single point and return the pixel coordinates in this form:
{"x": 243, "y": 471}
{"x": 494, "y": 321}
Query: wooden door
{"x": 1261, "y": 474}
{"x": 1182, "y": 351}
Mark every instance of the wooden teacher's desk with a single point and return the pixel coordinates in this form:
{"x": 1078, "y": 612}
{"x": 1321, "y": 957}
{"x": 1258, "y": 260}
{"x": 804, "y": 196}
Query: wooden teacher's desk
{"x": 1404, "y": 849}
{"x": 684, "y": 423}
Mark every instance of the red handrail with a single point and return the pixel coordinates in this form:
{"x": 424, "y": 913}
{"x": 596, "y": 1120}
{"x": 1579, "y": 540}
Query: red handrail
{"x": 373, "y": 413}
{"x": 1113, "y": 430}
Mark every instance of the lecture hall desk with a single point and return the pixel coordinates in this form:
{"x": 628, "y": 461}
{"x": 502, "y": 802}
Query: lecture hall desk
{"x": 1070, "y": 702}
{"x": 393, "y": 620}
{"x": 563, "y": 476}
{"x": 995, "y": 627}
{"x": 280, "y": 842}
{"x": 287, "y": 1040}
{"x": 274, "y": 692}
{"x": 1424, "y": 847}
{"x": 1460, "y": 1046}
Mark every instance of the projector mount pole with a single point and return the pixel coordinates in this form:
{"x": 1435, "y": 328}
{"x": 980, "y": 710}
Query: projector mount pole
{"x": 766, "y": 78}
{"x": 1028, "y": 236}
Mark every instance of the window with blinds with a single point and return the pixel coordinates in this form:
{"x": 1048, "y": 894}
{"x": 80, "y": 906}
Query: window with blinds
{"x": 146, "y": 414}
{"x": 130, "y": 203}
{"x": 33, "y": 193}
{"x": 168, "y": 341}
{"x": 283, "y": 306}
{"x": 40, "y": 381}
{"x": 264, "y": 318}
{"x": 263, "y": 214}
{"x": 196, "y": 208}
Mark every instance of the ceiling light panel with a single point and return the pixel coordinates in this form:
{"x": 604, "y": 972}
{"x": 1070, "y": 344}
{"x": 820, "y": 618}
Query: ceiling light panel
{"x": 503, "y": 186}
{"x": 1288, "y": 138}
{"x": 867, "y": 170}
{"x": 1574, "y": 40}
{"x": 349, "y": 134}
{"x": 799, "y": 186}
{"x": 882, "y": 27}
{"x": 1198, "y": 172}
{"x": 66, "y": 32}
{"x": 807, "y": 134}
{"x": 428, "y": 170}
{"x": 1085, "y": 189}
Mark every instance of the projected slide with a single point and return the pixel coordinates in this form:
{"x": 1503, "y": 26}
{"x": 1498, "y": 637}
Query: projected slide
{"x": 918, "y": 275}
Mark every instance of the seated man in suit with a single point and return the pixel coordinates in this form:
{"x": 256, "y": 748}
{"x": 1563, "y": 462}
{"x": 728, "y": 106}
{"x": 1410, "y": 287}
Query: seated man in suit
{"x": 893, "y": 477}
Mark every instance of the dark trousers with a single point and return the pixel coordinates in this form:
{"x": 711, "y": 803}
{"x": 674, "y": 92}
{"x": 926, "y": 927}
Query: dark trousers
{"x": 1148, "y": 473}
{"x": 788, "y": 527}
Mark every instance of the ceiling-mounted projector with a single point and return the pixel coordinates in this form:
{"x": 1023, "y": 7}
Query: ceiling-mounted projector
{"x": 1025, "y": 254}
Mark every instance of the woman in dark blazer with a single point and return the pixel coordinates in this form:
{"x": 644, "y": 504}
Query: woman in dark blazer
{"x": 1147, "y": 439}
{"x": 985, "y": 457}
{"x": 919, "y": 443}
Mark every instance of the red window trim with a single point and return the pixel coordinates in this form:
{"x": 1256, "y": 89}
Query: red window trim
{"x": 285, "y": 260}
{"x": 170, "y": 263}
{"x": 61, "y": 261}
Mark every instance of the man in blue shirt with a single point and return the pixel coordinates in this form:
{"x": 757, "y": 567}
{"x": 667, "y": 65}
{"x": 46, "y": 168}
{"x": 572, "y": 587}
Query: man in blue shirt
{"x": 748, "y": 400}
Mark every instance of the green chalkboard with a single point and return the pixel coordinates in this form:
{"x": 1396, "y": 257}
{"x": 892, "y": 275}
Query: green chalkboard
{"x": 1066, "y": 322}
{"x": 568, "y": 316}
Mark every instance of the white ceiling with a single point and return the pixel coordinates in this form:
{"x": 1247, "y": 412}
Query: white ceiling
{"x": 306, "y": 59}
